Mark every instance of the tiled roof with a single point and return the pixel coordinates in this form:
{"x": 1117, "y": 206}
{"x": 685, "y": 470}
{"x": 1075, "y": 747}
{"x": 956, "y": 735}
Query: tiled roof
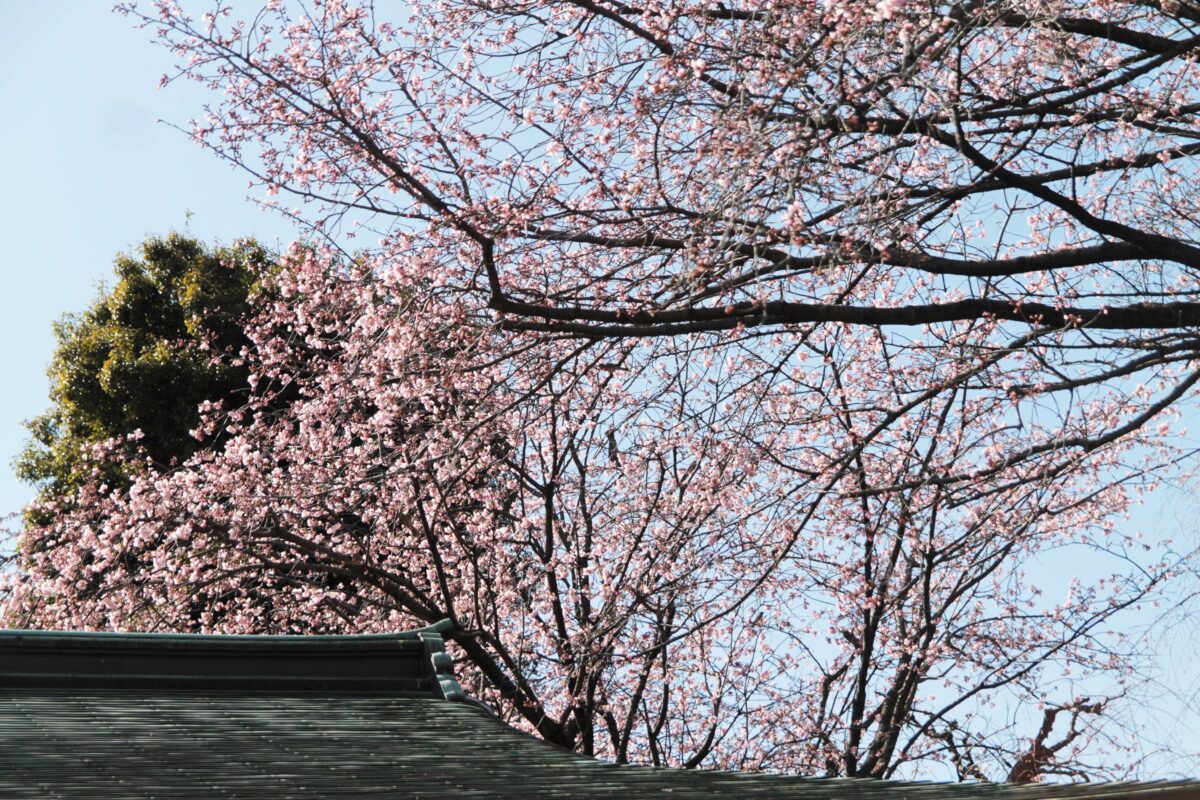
{"x": 331, "y": 717}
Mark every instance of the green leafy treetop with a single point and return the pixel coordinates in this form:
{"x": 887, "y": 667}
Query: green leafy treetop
{"x": 143, "y": 357}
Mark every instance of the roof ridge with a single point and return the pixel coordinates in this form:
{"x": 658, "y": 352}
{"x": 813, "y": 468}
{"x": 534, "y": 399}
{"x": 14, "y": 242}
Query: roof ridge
{"x": 410, "y": 662}
{"x": 439, "y": 627}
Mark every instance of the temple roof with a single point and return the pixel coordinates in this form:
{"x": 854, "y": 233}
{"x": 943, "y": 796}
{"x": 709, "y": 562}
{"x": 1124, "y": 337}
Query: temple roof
{"x": 86, "y": 715}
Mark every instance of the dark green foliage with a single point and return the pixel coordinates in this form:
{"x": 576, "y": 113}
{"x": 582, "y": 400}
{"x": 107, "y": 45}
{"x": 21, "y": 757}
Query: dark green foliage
{"x": 143, "y": 356}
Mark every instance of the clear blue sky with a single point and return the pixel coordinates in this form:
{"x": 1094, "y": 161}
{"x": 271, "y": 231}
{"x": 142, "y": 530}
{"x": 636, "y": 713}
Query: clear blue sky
{"x": 88, "y": 171}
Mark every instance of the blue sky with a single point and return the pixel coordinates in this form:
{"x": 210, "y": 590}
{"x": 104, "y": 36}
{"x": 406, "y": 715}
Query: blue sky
{"x": 89, "y": 171}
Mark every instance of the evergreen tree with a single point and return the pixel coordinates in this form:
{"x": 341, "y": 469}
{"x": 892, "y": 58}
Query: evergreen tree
{"x": 142, "y": 357}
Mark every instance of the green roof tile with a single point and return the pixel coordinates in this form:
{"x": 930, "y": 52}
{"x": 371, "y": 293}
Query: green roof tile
{"x": 165, "y": 717}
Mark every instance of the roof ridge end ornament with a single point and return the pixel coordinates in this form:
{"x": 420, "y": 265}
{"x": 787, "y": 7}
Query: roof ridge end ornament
{"x": 444, "y": 625}
{"x": 439, "y": 660}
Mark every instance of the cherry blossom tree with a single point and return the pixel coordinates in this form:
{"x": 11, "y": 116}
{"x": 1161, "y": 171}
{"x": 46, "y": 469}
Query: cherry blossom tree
{"x": 624, "y": 579}
{"x": 890, "y": 172}
{"x": 723, "y": 372}
{"x": 652, "y": 170}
